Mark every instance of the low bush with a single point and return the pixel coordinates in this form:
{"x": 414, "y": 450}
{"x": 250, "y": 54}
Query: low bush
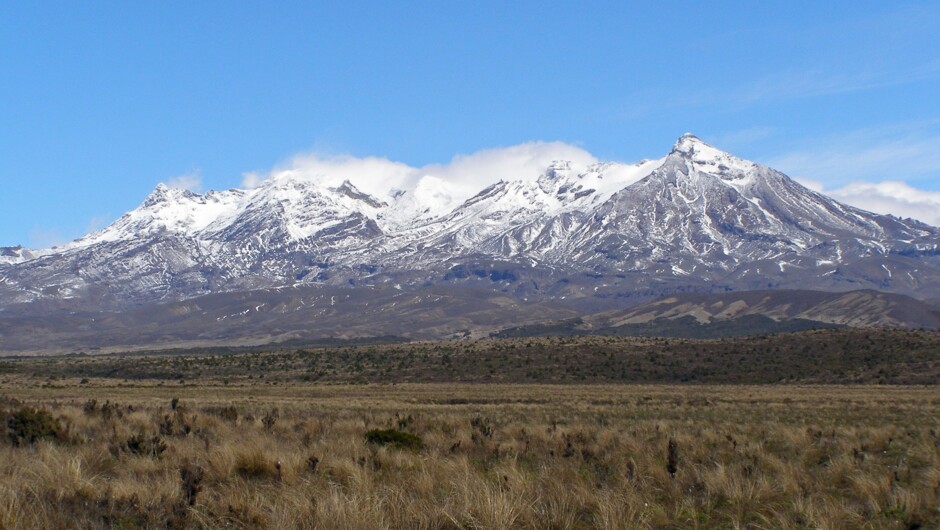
{"x": 28, "y": 425}
{"x": 394, "y": 438}
{"x": 140, "y": 445}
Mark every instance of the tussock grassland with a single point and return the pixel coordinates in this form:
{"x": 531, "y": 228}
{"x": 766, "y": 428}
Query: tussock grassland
{"x": 158, "y": 455}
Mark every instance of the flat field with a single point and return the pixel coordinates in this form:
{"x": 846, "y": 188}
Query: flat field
{"x": 104, "y": 452}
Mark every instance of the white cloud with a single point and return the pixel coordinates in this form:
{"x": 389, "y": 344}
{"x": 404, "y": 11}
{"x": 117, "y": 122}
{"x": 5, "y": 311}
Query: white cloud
{"x": 889, "y": 197}
{"x": 462, "y": 176}
{"x": 252, "y": 179}
{"x": 191, "y": 181}
{"x": 519, "y": 162}
{"x": 849, "y": 158}
{"x": 892, "y": 197}
{"x": 373, "y": 175}
{"x": 874, "y": 169}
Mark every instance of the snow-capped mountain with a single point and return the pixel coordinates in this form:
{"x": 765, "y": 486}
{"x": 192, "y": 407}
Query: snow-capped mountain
{"x": 698, "y": 219}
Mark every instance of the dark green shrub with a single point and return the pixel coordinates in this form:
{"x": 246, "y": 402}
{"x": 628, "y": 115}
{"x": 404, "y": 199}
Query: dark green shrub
{"x": 394, "y": 438}
{"x": 28, "y": 425}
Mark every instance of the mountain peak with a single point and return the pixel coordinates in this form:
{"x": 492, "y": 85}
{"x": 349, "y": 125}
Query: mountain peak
{"x": 163, "y": 193}
{"x": 689, "y": 144}
{"x": 348, "y": 189}
{"x": 159, "y": 194}
{"x": 710, "y": 159}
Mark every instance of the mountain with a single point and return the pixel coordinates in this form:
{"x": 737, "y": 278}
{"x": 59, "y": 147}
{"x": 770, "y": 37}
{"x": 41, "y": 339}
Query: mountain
{"x": 586, "y": 239}
{"x": 290, "y": 314}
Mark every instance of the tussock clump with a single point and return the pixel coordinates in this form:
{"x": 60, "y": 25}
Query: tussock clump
{"x": 253, "y": 464}
{"x": 229, "y": 413}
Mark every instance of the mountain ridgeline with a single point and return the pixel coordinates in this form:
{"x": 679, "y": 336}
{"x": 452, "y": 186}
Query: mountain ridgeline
{"x": 574, "y": 241}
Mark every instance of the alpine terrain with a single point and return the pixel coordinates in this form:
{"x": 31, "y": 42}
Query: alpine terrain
{"x": 295, "y": 258}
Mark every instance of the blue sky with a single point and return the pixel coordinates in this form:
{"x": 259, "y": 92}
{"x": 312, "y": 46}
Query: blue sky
{"x": 100, "y": 101}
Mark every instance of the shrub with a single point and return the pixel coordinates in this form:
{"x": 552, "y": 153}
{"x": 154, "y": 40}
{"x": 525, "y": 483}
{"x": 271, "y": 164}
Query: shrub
{"x": 483, "y": 426}
{"x": 191, "y": 482}
{"x": 166, "y": 426}
{"x": 110, "y": 409}
{"x": 29, "y": 425}
{"x": 141, "y": 445}
{"x": 394, "y": 438}
{"x": 672, "y": 457}
{"x": 312, "y": 462}
{"x": 270, "y": 419}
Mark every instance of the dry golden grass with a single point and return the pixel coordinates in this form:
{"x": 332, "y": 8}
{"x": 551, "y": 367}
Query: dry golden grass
{"x": 495, "y": 457}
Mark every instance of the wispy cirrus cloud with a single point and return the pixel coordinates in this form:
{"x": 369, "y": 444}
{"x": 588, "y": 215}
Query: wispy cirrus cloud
{"x": 864, "y": 50}
{"x": 889, "y": 170}
{"x": 895, "y": 152}
{"x": 816, "y": 82}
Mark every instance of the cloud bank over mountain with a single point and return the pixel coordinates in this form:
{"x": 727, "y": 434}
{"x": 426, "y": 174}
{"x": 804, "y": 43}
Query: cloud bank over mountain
{"x": 459, "y": 178}
{"x": 456, "y": 180}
